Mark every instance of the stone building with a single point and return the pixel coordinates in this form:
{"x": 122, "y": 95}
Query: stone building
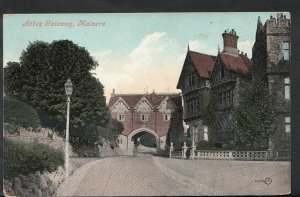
{"x": 230, "y": 76}
{"x": 229, "y": 73}
{"x": 225, "y": 76}
{"x": 271, "y": 63}
{"x": 145, "y": 113}
{"x": 194, "y": 84}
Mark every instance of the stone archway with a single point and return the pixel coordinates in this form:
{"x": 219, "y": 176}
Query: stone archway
{"x": 130, "y": 143}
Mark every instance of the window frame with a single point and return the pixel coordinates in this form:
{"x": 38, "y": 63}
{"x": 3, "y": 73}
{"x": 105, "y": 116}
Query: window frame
{"x": 287, "y": 88}
{"x": 286, "y": 50}
{"x": 121, "y": 117}
{"x": 145, "y": 119}
{"x": 287, "y": 124}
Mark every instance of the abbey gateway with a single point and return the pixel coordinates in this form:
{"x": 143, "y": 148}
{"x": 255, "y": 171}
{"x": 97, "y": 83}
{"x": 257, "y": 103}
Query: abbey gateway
{"x": 225, "y": 76}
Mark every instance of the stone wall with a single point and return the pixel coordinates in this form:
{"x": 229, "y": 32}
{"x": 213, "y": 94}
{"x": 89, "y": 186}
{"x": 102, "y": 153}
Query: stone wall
{"x": 37, "y": 184}
{"x": 41, "y": 135}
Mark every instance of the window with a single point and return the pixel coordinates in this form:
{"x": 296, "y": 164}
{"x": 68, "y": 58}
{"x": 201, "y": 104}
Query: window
{"x": 121, "y": 117}
{"x": 192, "y": 79}
{"x": 207, "y": 84}
{"x": 205, "y": 137}
{"x": 287, "y": 88}
{"x": 144, "y": 117}
{"x": 222, "y": 71}
{"x": 286, "y": 50}
{"x": 167, "y": 117}
{"x": 226, "y": 99}
{"x": 287, "y": 122}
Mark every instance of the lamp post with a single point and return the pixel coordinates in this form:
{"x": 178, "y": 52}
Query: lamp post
{"x": 69, "y": 90}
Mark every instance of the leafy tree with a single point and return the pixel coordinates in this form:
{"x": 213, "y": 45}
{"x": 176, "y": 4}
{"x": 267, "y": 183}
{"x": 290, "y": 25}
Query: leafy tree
{"x": 19, "y": 114}
{"x": 209, "y": 111}
{"x": 39, "y": 80}
{"x": 254, "y": 116}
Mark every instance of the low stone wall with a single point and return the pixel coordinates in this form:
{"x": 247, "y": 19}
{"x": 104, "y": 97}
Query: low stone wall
{"x": 42, "y": 135}
{"x": 37, "y": 184}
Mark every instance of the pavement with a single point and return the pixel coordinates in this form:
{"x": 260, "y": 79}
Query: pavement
{"x": 148, "y": 175}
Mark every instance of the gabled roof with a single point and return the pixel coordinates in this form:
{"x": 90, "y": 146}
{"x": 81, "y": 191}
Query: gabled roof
{"x": 240, "y": 64}
{"x": 203, "y": 63}
{"x": 153, "y": 98}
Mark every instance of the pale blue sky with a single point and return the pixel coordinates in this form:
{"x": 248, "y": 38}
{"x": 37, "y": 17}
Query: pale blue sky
{"x": 131, "y": 46}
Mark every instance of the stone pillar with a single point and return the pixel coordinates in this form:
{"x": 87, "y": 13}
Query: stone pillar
{"x": 270, "y": 149}
{"x": 171, "y": 150}
{"x": 184, "y": 149}
{"x": 193, "y": 149}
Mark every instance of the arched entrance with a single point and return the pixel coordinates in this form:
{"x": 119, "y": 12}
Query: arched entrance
{"x": 133, "y": 140}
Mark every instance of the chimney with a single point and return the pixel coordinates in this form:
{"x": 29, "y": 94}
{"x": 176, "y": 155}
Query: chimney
{"x": 230, "y": 42}
{"x": 113, "y": 93}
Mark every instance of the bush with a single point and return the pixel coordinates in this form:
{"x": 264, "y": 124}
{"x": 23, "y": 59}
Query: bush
{"x": 204, "y": 145}
{"x": 19, "y": 114}
{"x": 25, "y": 158}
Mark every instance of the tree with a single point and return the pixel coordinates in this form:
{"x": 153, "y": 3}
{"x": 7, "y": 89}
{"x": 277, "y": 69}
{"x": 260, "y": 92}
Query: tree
{"x": 39, "y": 80}
{"x": 254, "y": 116}
{"x": 209, "y": 111}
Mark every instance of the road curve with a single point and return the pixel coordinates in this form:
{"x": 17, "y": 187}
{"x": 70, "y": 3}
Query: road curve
{"x": 146, "y": 175}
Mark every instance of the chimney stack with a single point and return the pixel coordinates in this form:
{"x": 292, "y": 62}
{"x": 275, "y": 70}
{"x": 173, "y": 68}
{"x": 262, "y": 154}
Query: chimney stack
{"x": 113, "y": 93}
{"x": 230, "y": 42}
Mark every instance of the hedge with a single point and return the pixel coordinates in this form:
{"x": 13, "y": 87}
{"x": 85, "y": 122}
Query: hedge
{"x": 20, "y": 114}
{"x": 25, "y": 158}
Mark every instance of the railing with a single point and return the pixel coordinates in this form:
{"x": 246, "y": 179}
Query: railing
{"x": 230, "y": 154}
{"x": 283, "y": 155}
{"x": 238, "y": 155}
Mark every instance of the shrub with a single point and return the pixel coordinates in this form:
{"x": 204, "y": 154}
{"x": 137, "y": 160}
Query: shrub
{"x": 20, "y": 114}
{"x": 25, "y": 158}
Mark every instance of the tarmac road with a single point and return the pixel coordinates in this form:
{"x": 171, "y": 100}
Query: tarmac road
{"x": 147, "y": 175}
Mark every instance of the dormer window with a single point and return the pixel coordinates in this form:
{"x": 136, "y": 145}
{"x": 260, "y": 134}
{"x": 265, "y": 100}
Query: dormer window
{"x": 144, "y": 117}
{"x": 121, "y": 117}
{"x": 167, "y": 117}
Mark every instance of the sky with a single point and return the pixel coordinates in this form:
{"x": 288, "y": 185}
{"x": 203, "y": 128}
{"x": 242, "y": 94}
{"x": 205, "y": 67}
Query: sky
{"x": 136, "y": 52}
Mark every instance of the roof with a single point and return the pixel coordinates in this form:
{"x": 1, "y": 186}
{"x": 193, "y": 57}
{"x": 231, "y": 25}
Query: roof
{"x": 154, "y": 99}
{"x": 239, "y": 64}
{"x": 203, "y": 63}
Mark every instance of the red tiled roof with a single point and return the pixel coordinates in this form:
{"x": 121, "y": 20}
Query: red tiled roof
{"x": 132, "y": 99}
{"x": 204, "y": 63}
{"x": 240, "y": 64}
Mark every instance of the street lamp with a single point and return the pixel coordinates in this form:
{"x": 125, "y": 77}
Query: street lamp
{"x": 69, "y": 91}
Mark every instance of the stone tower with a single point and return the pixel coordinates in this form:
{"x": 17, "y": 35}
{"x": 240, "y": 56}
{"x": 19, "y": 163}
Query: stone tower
{"x": 271, "y": 63}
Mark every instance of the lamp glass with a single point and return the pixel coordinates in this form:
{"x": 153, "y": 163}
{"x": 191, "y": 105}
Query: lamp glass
{"x": 69, "y": 87}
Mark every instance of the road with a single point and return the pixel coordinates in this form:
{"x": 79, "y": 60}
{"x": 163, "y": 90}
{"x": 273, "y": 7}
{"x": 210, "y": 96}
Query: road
{"x": 146, "y": 175}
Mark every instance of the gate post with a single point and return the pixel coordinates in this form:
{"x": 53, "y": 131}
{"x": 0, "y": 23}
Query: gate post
{"x": 171, "y": 150}
{"x": 184, "y": 149}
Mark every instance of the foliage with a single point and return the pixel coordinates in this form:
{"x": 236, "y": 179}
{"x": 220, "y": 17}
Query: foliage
{"x": 175, "y": 136}
{"x": 19, "y": 114}
{"x": 254, "y": 116}
{"x": 85, "y": 144}
{"x": 39, "y": 80}
{"x": 204, "y": 145}
{"x": 25, "y": 158}
{"x": 209, "y": 110}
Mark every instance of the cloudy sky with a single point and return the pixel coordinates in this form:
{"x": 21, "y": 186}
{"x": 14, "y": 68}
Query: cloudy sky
{"x": 134, "y": 51}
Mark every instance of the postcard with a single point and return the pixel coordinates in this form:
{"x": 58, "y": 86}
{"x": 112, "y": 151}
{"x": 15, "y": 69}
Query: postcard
{"x": 147, "y": 104}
